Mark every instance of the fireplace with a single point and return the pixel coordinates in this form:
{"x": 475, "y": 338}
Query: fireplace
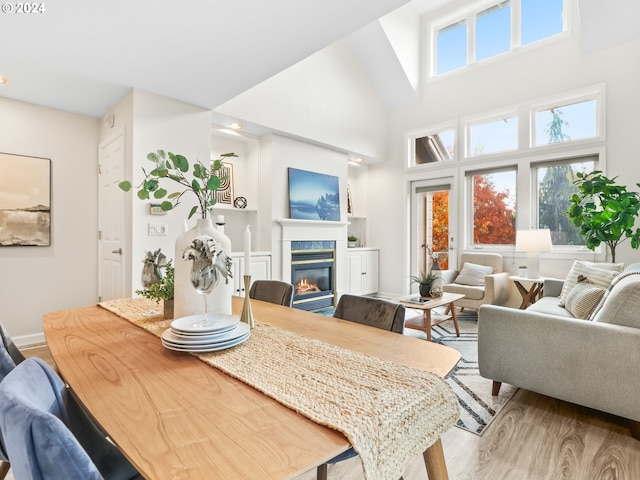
{"x": 313, "y": 278}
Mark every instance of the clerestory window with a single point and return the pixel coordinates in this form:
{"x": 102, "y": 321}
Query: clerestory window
{"x": 484, "y": 32}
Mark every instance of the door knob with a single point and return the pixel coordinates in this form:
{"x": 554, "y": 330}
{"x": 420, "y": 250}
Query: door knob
{"x": 118, "y": 251}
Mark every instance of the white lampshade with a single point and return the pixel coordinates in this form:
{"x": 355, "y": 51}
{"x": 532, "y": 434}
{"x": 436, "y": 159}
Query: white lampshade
{"x": 533, "y": 242}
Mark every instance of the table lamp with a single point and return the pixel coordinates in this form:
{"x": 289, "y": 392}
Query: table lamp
{"x": 533, "y": 242}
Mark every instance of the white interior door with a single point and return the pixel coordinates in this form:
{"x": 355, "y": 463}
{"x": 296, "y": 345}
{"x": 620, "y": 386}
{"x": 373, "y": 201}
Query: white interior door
{"x": 111, "y": 218}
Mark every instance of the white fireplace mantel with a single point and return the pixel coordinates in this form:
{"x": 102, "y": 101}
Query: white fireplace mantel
{"x": 294, "y": 229}
{"x": 315, "y": 230}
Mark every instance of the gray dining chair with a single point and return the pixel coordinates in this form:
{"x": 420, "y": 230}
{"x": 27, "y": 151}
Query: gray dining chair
{"x": 36, "y": 429}
{"x": 272, "y": 291}
{"x": 375, "y": 312}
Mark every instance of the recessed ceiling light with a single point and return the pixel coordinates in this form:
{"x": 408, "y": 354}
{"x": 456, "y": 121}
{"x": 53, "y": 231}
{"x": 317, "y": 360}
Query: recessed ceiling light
{"x": 3, "y": 79}
{"x": 234, "y": 126}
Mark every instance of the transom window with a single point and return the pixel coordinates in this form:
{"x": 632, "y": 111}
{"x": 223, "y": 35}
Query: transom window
{"x": 485, "y": 32}
{"x": 493, "y": 136}
{"x": 436, "y": 147}
{"x": 566, "y": 122}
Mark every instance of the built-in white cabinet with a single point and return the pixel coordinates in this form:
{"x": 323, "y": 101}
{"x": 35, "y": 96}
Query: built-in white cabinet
{"x": 260, "y": 270}
{"x": 363, "y": 270}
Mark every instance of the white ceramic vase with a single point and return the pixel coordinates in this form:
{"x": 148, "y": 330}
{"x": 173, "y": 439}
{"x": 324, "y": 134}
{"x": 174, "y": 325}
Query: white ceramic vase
{"x": 186, "y": 300}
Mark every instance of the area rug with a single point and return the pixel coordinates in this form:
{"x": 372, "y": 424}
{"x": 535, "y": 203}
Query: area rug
{"x": 477, "y": 406}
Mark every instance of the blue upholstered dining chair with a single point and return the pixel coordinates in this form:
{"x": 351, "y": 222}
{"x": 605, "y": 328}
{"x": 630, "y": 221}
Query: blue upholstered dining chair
{"x": 35, "y": 431}
{"x": 375, "y": 312}
{"x": 10, "y": 356}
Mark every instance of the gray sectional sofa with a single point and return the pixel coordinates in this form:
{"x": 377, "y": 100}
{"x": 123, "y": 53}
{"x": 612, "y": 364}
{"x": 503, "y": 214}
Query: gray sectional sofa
{"x": 594, "y": 363}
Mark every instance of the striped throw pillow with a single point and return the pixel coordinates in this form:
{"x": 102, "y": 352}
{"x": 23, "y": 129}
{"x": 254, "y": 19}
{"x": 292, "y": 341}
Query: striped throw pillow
{"x": 583, "y": 299}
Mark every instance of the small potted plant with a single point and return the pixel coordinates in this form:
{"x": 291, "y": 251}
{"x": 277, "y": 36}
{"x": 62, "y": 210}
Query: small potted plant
{"x": 425, "y": 282}
{"x": 522, "y": 271}
{"x": 352, "y": 241}
{"x": 163, "y": 290}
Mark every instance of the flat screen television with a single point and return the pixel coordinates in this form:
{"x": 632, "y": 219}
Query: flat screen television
{"x": 313, "y": 196}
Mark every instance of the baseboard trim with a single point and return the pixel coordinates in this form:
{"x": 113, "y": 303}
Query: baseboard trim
{"x": 28, "y": 340}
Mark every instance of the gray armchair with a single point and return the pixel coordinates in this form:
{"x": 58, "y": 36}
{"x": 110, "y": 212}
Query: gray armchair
{"x": 493, "y": 291}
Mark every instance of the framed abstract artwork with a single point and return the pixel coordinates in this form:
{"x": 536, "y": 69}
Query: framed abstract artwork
{"x": 25, "y": 201}
{"x": 224, "y": 194}
{"x": 313, "y": 196}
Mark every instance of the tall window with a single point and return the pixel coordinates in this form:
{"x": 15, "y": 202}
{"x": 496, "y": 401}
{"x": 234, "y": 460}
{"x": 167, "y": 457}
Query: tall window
{"x": 493, "y": 200}
{"x": 483, "y": 32}
{"x": 554, "y": 187}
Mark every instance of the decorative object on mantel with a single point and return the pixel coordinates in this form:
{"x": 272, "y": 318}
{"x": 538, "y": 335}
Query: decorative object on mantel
{"x": 313, "y": 196}
{"x": 240, "y": 202}
{"x": 162, "y": 290}
{"x": 352, "y": 241}
{"x": 203, "y": 183}
{"x": 209, "y": 264}
{"x": 604, "y": 212}
{"x": 25, "y": 201}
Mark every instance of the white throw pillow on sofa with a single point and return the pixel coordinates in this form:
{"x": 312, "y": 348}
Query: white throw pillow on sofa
{"x": 473, "y": 274}
{"x": 599, "y": 274}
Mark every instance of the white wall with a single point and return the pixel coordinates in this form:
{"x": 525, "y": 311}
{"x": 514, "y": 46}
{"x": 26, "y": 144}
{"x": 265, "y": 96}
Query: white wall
{"x": 540, "y": 72}
{"x": 286, "y": 153}
{"x": 326, "y": 98}
{"x": 153, "y": 122}
{"x": 37, "y": 280}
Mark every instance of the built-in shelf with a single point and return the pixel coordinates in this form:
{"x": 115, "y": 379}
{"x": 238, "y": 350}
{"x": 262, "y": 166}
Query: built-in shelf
{"x": 233, "y": 209}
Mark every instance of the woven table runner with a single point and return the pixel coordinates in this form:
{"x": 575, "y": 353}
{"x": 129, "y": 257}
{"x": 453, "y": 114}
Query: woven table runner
{"x": 390, "y": 413}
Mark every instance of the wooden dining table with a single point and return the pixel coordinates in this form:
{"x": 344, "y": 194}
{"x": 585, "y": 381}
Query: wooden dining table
{"x": 175, "y": 417}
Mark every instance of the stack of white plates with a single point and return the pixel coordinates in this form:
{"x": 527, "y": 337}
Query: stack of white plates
{"x": 192, "y": 334}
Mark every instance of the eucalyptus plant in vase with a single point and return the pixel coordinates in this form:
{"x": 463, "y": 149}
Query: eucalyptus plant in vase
{"x": 171, "y": 180}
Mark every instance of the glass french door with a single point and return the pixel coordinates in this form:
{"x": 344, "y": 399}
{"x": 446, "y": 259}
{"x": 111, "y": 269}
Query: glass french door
{"x": 431, "y": 232}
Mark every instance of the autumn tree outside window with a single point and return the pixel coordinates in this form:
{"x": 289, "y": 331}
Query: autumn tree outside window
{"x": 493, "y": 195}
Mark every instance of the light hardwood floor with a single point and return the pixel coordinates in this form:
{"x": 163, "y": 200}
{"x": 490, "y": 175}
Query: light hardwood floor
{"x": 533, "y": 438}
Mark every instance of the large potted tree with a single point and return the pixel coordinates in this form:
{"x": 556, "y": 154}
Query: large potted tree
{"x": 604, "y": 211}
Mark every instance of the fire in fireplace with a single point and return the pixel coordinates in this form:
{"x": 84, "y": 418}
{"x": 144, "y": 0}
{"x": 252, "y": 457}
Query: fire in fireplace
{"x": 313, "y": 275}
{"x": 305, "y": 287}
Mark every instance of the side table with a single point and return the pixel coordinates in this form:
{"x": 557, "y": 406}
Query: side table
{"x": 429, "y": 320}
{"x": 531, "y": 294}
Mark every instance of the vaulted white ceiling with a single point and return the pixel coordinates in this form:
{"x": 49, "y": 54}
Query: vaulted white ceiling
{"x": 83, "y": 56}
